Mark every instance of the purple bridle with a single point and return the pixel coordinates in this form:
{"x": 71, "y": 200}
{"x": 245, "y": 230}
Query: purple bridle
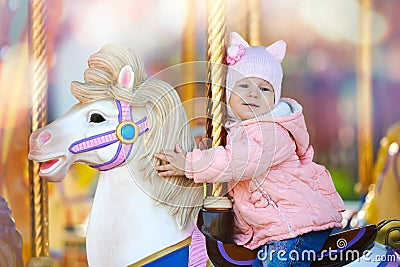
{"x": 126, "y": 134}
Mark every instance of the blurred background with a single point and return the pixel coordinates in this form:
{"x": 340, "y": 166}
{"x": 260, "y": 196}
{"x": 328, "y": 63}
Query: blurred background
{"x": 320, "y": 71}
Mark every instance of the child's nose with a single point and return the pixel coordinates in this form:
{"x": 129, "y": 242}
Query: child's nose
{"x": 254, "y": 91}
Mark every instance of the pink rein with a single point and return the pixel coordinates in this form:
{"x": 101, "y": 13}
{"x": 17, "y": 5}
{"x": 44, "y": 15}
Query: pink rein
{"x": 108, "y": 138}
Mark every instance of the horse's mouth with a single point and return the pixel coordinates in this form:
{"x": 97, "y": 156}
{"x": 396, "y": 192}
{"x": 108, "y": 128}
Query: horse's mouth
{"x": 47, "y": 165}
{"x": 50, "y": 164}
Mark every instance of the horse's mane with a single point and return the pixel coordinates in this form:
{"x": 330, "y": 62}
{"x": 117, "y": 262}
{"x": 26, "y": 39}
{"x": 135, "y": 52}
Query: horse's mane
{"x": 166, "y": 116}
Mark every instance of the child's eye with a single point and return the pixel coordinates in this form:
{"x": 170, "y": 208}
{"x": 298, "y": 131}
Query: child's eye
{"x": 244, "y": 85}
{"x": 264, "y": 89}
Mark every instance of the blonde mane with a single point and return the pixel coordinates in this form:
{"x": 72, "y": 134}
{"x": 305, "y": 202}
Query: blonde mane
{"x": 167, "y": 119}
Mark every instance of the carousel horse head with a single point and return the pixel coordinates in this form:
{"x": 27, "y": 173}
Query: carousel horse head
{"x": 121, "y": 120}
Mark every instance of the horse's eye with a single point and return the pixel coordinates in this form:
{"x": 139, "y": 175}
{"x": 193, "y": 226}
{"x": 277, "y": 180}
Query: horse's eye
{"x": 96, "y": 118}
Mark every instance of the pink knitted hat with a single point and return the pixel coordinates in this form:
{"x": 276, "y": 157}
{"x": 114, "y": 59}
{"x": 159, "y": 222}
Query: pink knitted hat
{"x": 247, "y": 61}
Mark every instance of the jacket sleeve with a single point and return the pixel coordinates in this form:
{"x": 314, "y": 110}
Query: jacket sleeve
{"x": 249, "y": 154}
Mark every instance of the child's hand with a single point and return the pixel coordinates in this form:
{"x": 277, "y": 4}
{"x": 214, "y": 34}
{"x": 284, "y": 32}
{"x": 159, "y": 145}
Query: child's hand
{"x": 205, "y": 143}
{"x": 176, "y": 162}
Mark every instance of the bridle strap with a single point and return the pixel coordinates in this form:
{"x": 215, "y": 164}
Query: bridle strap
{"x": 108, "y": 138}
{"x": 120, "y": 157}
{"x": 94, "y": 142}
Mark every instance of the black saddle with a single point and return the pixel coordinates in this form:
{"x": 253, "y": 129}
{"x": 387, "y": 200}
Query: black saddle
{"x": 344, "y": 247}
{"x": 340, "y": 248}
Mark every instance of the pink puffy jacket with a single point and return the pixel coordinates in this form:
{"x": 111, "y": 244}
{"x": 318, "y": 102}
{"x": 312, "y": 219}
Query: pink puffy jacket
{"x": 278, "y": 191}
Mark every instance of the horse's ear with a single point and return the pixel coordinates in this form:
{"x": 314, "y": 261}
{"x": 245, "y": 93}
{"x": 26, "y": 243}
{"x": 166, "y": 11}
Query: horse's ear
{"x": 126, "y": 77}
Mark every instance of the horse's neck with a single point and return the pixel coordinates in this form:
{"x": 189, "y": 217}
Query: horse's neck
{"x": 125, "y": 224}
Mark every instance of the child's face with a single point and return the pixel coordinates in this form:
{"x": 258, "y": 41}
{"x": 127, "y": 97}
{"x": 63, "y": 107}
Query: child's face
{"x": 251, "y": 97}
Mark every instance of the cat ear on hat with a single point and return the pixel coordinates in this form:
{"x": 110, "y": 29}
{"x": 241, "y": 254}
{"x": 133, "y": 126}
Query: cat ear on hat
{"x": 277, "y": 49}
{"x": 236, "y": 39}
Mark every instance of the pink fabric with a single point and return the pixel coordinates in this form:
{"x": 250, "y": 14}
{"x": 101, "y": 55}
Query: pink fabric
{"x": 295, "y": 195}
{"x": 197, "y": 250}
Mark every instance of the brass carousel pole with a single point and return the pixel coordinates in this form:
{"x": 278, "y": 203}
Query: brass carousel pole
{"x": 38, "y": 187}
{"x": 216, "y": 32}
{"x": 254, "y": 22}
{"x": 189, "y": 55}
{"x": 364, "y": 118}
{"x": 216, "y": 218}
{"x": 249, "y": 21}
{"x": 241, "y": 21}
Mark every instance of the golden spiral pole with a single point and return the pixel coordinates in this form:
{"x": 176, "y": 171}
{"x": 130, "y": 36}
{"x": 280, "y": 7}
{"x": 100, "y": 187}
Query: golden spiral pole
{"x": 365, "y": 153}
{"x": 189, "y": 55}
{"x": 216, "y": 32}
{"x": 254, "y": 22}
{"x": 249, "y": 21}
{"x": 38, "y": 187}
{"x": 241, "y": 21}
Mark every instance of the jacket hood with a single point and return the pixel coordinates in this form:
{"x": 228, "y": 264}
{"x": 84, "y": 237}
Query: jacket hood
{"x": 294, "y": 122}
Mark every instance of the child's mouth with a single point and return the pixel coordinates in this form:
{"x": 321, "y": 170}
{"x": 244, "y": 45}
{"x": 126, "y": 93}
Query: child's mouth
{"x": 251, "y": 105}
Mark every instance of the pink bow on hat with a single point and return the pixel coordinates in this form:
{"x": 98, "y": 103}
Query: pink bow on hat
{"x": 235, "y": 53}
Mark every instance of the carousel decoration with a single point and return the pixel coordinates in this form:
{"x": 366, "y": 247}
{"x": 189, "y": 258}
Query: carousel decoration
{"x": 385, "y": 186}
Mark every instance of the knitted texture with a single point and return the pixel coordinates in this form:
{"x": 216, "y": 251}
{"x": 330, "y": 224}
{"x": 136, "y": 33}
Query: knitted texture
{"x": 247, "y": 61}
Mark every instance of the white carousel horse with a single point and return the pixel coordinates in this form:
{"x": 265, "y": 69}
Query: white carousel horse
{"x": 122, "y": 119}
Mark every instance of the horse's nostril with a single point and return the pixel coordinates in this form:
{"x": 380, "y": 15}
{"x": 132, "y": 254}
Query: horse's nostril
{"x": 44, "y": 137}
